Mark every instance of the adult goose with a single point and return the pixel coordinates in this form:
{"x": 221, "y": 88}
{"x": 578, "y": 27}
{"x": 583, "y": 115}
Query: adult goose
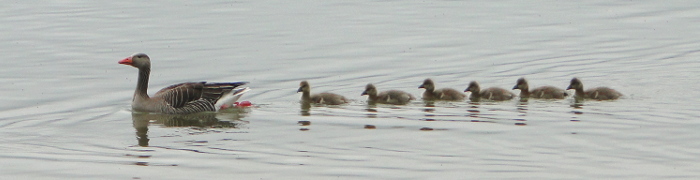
{"x": 544, "y": 92}
{"x": 394, "y": 97}
{"x": 598, "y": 93}
{"x": 447, "y": 94}
{"x": 183, "y": 98}
{"x": 492, "y": 93}
{"x": 320, "y": 98}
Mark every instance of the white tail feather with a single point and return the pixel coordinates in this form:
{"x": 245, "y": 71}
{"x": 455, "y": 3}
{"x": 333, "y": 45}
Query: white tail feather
{"x": 228, "y": 99}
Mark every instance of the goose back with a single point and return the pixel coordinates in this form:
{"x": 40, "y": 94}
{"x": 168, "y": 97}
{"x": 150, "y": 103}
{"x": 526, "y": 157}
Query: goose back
{"x": 395, "y": 97}
{"x": 548, "y": 92}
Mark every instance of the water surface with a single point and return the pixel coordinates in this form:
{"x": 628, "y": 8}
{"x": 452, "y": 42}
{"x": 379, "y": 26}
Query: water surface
{"x": 66, "y": 111}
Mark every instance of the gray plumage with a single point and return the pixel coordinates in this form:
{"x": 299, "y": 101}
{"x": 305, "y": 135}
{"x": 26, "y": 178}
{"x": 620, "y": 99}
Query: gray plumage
{"x": 598, "y": 93}
{"x": 447, "y": 94}
{"x": 183, "y": 98}
{"x": 395, "y": 97}
{"x": 320, "y": 98}
{"x": 544, "y": 92}
{"x": 492, "y": 93}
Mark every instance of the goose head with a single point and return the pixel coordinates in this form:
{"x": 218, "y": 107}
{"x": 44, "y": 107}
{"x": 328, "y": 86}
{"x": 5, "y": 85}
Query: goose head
{"x": 304, "y": 87}
{"x": 521, "y": 84}
{"x": 473, "y": 87}
{"x": 370, "y": 90}
{"x": 428, "y": 85}
{"x": 575, "y": 84}
{"x": 138, "y": 60}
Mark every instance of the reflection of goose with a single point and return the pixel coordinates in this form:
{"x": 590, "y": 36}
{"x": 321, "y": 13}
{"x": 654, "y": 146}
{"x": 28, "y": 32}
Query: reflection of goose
{"x": 320, "y": 98}
{"x": 184, "y": 98}
{"x": 599, "y": 93}
{"x": 205, "y": 119}
{"x": 492, "y": 93}
{"x": 447, "y": 94}
{"x": 544, "y": 92}
{"x": 387, "y": 97}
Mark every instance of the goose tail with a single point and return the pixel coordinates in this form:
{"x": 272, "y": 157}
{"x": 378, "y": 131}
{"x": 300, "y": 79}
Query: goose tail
{"x": 228, "y": 99}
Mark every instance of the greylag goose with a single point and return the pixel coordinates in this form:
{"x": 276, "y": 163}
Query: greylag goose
{"x": 183, "y": 98}
{"x": 599, "y": 93}
{"x": 395, "y": 97}
{"x": 320, "y": 98}
{"x": 544, "y": 92}
{"x": 492, "y": 93}
{"x": 446, "y": 94}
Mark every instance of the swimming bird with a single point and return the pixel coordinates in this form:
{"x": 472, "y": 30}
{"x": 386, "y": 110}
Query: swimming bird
{"x": 320, "y": 98}
{"x": 492, "y": 93}
{"x": 447, "y": 94}
{"x": 183, "y": 98}
{"x": 598, "y": 93}
{"x": 544, "y": 92}
{"x": 395, "y": 97}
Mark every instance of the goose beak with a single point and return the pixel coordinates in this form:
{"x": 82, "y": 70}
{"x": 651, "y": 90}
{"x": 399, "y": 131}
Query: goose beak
{"x": 363, "y": 93}
{"x": 421, "y": 86}
{"x": 299, "y": 90}
{"x": 515, "y": 87}
{"x": 127, "y": 61}
{"x": 567, "y": 88}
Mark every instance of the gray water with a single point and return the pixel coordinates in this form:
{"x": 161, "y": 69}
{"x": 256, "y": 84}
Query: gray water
{"x": 66, "y": 102}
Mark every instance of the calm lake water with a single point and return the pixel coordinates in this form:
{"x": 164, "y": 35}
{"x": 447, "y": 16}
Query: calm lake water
{"x": 66, "y": 102}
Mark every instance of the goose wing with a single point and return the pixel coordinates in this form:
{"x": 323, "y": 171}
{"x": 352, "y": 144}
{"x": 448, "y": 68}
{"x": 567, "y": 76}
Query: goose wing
{"x": 179, "y": 95}
{"x": 182, "y": 95}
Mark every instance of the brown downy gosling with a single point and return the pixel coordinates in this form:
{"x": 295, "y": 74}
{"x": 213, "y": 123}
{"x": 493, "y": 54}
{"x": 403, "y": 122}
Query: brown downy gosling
{"x": 446, "y": 94}
{"x": 598, "y": 93}
{"x": 544, "y": 92}
{"x": 492, "y": 93}
{"x": 395, "y": 97}
{"x": 320, "y": 98}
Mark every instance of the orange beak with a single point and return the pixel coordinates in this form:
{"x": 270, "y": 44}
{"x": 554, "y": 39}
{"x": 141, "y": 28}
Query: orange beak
{"x": 126, "y": 61}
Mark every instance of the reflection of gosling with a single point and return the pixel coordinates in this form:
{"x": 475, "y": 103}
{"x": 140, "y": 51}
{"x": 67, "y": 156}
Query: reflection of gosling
{"x": 492, "y": 93}
{"x": 320, "y": 98}
{"x": 599, "y": 93}
{"x": 395, "y": 97}
{"x": 447, "y": 94}
{"x": 544, "y": 92}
